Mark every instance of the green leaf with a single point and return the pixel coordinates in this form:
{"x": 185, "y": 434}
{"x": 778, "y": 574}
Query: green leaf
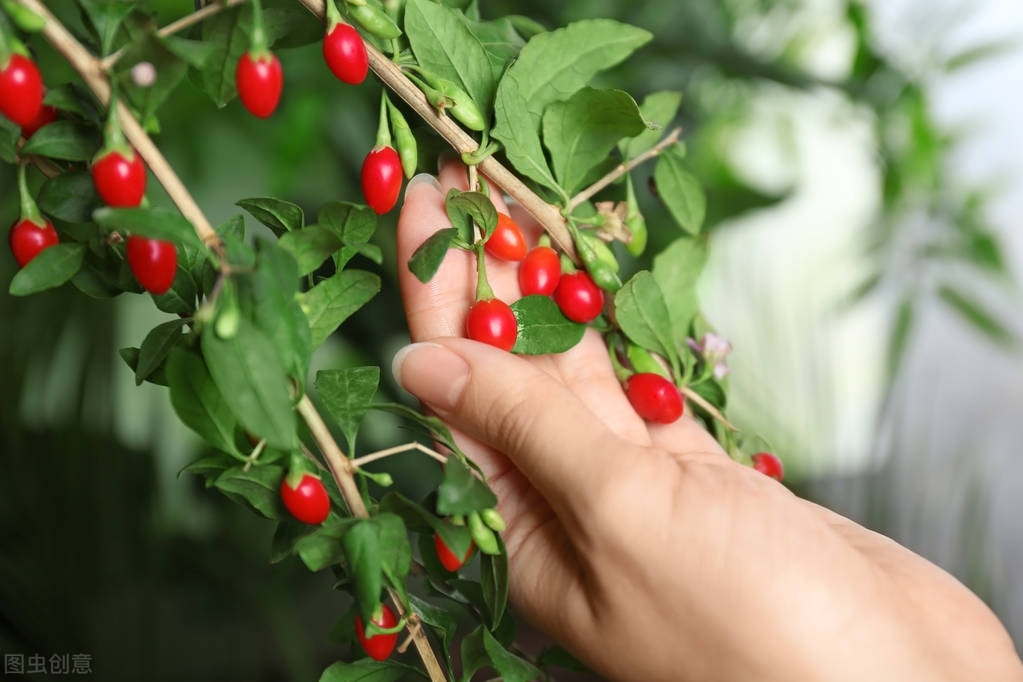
{"x": 10, "y": 133}
{"x": 427, "y": 259}
{"x": 659, "y": 108}
{"x": 253, "y": 382}
{"x": 258, "y": 488}
{"x": 466, "y": 208}
{"x": 52, "y": 267}
{"x": 65, "y": 140}
{"x": 228, "y": 32}
{"x": 156, "y": 347}
{"x": 643, "y": 316}
{"x": 310, "y": 246}
{"x": 365, "y": 557}
{"x": 977, "y": 316}
{"x": 193, "y": 52}
{"x": 70, "y": 197}
{"x": 334, "y": 300}
{"x": 461, "y": 492}
{"x": 105, "y": 18}
{"x": 419, "y": 519}
{"x": 396, "y": 550}
{"x": 267, "y": 295}
{"x": 494, "y": 580}
{"x": 347, "y": 394}
{"x": 980, "y": 53}
{"x": 433, "y": 426}
{"x": 543, "y": 328}
{"x": 677, "y": 270}
{"x": 75, "y": 99}
{"x": 320, "y": 550}
{"x": 155, "y": 223}
{"x": 198, "y": 402}
{"x": 278, "y": 215}
{"x": 130, "y": 356}
{"x": 480, "y": 649}
{"x": 499, "y": 39}
{"x": 581, "y": 131}
{"x": 354, "y": 225}
{"x": 551, "y": 67}
{"x": 367, "y": 670}
{"x": 681, "y": 192}
{"x": 181, "y": 297}
{"x": 146, "y": 100}
{"x": 444, "y": 46}
{"x": 442, "y": 619}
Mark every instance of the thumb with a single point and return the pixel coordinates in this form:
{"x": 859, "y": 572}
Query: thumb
{"x": 503, "y": 400}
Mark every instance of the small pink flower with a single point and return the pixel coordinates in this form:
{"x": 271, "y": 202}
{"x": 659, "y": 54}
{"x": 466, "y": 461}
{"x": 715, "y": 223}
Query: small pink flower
{"x": 713, "y": 348}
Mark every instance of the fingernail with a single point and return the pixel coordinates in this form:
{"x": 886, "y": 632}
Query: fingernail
{"x": 422, "y": 179}
{"x": 432, "y": 373}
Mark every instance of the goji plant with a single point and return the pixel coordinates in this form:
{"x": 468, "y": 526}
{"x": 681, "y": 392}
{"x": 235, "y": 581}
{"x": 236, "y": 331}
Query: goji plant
{"x": 246, "y": 313}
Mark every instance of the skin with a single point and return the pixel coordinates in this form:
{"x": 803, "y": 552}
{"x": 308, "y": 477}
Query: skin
{"x": 649, "y": 537}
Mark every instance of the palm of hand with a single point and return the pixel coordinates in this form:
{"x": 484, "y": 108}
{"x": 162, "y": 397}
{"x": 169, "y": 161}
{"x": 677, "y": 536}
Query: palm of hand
{"x": 662, "y": 547}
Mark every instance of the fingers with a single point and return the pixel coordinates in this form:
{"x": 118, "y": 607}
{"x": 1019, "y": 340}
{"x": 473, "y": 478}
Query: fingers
{"x": 561, "y": 446}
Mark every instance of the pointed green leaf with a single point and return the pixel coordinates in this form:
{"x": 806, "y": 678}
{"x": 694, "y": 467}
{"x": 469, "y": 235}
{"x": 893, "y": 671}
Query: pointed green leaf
{"x": 334, "y": 300}
{"x": 347, "y": 394}
{"x": 365, "y": 557}
{"x": 427, "y": 259}
{"x": 278, "y": 215}
{"x": 156, "y": 347}
{"x": 52, "y": 267}
{"x": 310, "y": 246}
{"x": 197, "y": 400}
{"x": 461, "y": 492}
{"x": 155, "y": 223}
{"x": 253, "y": 382}
{"x": 70, "y": 197}
{"x": 978, "y": 316}
{"x": 64, "y": 140}
{"x": 228, "y": 32}
{"x": 677, "y": 271}
{"x": 659, "y": 108}
{"x": 368, "y": 670}
{"x": 258, "y": 488}
{"x": 580, "y": 132}
{"x": 643, "y": 316}
{"x": 494, "y": 580}
{"x": 681, "y": 192}
{"x": 543, "y": 328}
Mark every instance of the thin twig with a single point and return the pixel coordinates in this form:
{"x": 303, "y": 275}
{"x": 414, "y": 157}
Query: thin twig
{"x": 548, "y": 216}
{"x": 181, "y": 24}
{"x": 710, "y": 409}
{"x": 89, "y": 68}
{"x": 397, "y": 450}
{"x": 342, "y": 468}
{"x": 621, "y": 169}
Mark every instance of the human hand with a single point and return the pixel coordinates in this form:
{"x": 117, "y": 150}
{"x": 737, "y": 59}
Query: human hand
{"x": 643, "y": 548}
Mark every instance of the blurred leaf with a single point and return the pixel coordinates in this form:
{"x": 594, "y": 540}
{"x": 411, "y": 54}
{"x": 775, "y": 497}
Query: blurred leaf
{"x": 977, "y": 316}
{"x": 480, "y": 649}
{"x": 543, "y": 328}
{"x": 70, "y": 197}
{"x": 10, "y": 133}
{"x": 368, "y": 670}
{"x": 155, "y": 223}
{"x": 228, "y": 33}
{"x": 52, "y": 267}
{"x": 198, "y": 402}
{"x": 980, "y": 53}
{"x": 278, "y": 215}
{"x": 65, "y": 140}
{"x": 156, "y": 347}
{"x": 365, "y": 561}
{"x": 180, "y": 299}
{"x": 105, "y": 18}
{"x": 252, "y": 380}
{"x": 433, "y": 426}
{"x": 494, "y": 580}
{"x": 901, "y": 328}
{"x": 258, "y": 488}
{"x": 461, "y": 492}
{"x": 676, "y": 269}
{"x": 347, "y": 394}
{"x": 680, "y": 191}
{"x": 580, "y": 131}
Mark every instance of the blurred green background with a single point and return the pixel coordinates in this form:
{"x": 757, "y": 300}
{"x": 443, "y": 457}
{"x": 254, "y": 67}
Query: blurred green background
{"x": 843, "y": 211}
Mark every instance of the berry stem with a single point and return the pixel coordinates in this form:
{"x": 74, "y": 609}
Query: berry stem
{"x": 383, "y": 127}
{"x": 29, "y": 209}
{"x": 259, "y": 43}
{"x": 690, "y": 394}
{"x": 483, "y": 290}
{"x": 333, "y": 15}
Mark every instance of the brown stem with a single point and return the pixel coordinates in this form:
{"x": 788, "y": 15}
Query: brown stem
{"x": 91, "y": 72}
{"x": 713, "y": 411}
{"x": 621, "y": 169}
{"x": 181, "y": 24}
{"x": 548, "y": 216}
{"x": 341, "y": 467}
